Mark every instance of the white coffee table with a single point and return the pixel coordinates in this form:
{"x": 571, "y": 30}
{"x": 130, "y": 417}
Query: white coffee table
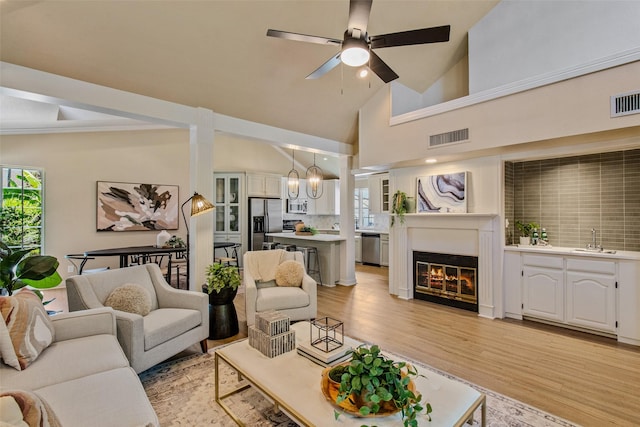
{"x": 292, "y": 383}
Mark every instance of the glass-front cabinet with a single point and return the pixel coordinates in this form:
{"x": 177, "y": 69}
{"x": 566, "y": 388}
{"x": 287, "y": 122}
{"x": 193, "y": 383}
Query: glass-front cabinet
{"x": 228, "y": 196}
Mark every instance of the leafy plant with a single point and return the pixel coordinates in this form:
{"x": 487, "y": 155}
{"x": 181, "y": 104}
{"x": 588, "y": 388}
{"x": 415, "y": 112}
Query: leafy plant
{"x": 20, "y": 268}
{"x": 309, "y": 229}
{"x": 399, "y": 207}
{"x": 175, "y": 242}
{"x": 371, "y": 379}
{"x": 526, "y": 228}
{"x": 220, "y": 276}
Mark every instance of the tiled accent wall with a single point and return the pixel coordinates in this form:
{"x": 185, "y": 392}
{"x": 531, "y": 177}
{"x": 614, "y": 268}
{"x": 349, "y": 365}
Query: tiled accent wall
{"x": 570, "y": 196}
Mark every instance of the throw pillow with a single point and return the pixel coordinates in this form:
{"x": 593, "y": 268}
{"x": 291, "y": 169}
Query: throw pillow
{"x": 24, "y": 408}
{"x": 131, "y": 298}
{"x": 289, "y": 273}
{"x": 7, "y": 353}
{"x": 29, "y": 326}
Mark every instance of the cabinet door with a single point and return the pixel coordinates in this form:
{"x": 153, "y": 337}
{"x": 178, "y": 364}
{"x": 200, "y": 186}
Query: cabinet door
{"x": 358, "y": 245}
{"x": 272, "y": 186}
{"x": 255, "y": 185}
{"x": 591, "y": 300}
{"x": 384, "y": 194}
{"x": 512, "y": 283}
{"x": 543, "y": 293}
{"x": 375, "y": 190}
{"x": 384, "y": 251}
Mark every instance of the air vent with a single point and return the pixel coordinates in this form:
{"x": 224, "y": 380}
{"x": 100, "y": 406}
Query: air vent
{"x": 625, "y": 104}
{"x": 449, "y": 137}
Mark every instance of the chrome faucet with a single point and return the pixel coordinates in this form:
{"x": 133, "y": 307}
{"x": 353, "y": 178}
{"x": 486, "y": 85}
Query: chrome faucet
{"x": 593, "y": 246}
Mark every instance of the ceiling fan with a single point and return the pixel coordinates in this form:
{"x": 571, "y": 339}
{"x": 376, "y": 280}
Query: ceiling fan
{"x": 357, "y": 46}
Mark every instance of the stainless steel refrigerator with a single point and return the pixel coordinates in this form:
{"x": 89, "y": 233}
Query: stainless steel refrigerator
{"x": 265, "y": 216}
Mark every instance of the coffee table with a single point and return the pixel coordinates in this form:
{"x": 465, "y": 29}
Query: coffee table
{"x": 292, "y": 383}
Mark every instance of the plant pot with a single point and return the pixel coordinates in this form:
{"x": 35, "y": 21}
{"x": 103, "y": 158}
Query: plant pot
{"x": 525, "y": 241}
{"x": 223, "y": 319}
{"x": 225, "y": 296}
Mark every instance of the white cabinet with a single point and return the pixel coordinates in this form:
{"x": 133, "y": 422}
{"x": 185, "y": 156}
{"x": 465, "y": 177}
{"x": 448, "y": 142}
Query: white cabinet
{"x": 573, "y": 291}
{"x": 384, "y": 249}
{"x": 591, "y": 293}
{"x": 329, "y": 202}
{"x": 379, "y": 193}
{"x": 264, "y": 185}
{"x": 543, "y": 292}
{"x": 358, "y": 244}
{"x": 230, "y": 202}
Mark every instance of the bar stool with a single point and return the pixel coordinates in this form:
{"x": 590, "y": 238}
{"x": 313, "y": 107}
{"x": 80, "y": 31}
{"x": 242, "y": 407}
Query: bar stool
{"x": 287, "y": 247}
{"x": 307, "y": 252}
{"x": 267, "y": 246}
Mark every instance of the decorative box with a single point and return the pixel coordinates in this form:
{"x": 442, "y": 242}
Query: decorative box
{"x": 272, "y": 322}
{"x": 271, "y": 345}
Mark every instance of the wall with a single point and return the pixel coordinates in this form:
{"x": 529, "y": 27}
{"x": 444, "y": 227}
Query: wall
{"x": 521, "y": 39}
{"x": 73, "y": 162}
{"x": 570, "y": 196}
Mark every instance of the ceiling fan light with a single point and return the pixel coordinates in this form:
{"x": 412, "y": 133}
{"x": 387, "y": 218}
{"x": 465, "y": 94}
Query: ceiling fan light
{"x": 355, "y": 52}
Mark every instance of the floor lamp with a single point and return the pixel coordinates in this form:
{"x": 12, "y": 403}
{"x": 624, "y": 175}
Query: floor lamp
{"x": 199, "y": 205}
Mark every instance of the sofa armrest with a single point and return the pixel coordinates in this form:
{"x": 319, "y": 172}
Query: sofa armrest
{"x": 130, "y": 333}
{"x": 84, "y": 323}
{"x": 250, "y": 296}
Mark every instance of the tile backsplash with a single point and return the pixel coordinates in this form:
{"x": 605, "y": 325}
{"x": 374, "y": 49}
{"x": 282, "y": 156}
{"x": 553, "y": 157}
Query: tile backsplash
{"x": 570, "y": 196}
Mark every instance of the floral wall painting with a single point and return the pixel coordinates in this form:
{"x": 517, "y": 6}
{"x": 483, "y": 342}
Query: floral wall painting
{"x": 442, "y": 193}
{"x": 137, "y": 207}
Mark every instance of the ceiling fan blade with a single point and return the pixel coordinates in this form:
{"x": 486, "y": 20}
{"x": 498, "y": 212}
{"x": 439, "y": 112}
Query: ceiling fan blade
{"x": 359, "y": 11}
{"x": 325, "y": 68}
{"x": 381, "y": 69}
{"x": 302, "y": 37}
{"x": 407, "y": 38}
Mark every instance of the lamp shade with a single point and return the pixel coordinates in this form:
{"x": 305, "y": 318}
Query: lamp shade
{"x": 293, "y": 180}
{"x": 315, "y": 181}
{"x": 200, "y": 205}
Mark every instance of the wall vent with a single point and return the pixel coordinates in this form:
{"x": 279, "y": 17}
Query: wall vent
{"x": 454, "y": 136}
{"x": 625, "y": 104}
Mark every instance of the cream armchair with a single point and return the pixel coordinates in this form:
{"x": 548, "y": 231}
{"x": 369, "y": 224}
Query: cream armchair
{"x": 299, "y": 303}
{"x": 177, "y": 320}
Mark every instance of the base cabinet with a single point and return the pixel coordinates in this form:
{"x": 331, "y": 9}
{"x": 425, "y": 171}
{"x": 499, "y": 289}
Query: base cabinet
{"x": 384, "y": 250}
{"x": 543, "y": 290}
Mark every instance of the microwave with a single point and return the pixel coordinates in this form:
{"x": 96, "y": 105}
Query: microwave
{"x": 298, "y": 206}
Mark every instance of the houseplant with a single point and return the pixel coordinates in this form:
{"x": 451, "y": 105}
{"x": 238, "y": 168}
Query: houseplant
{"x": 375, "y": 384}
{"x": 526, "y": 228}
{"x": 399, "y": 207}
{"x": 18, "y": 268}
{"x": 222, "y": 279}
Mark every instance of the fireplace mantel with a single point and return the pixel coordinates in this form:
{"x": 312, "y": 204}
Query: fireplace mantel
{"x": 472, "y": 234}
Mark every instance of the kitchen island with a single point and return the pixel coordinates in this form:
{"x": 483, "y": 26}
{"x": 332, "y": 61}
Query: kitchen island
{"x": 328, "y": 251}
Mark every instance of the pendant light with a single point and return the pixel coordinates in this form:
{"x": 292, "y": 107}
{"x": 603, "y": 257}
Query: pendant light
{"x": 314, "y": 180}
{"x": 293, "y": 179}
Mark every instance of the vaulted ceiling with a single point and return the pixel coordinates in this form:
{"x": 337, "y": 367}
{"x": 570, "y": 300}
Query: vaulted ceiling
{"x": 215, "y": 53}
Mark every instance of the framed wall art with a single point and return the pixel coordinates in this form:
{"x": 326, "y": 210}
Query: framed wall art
{"x": 444, "y": 193}
{"x": 123, "y": 206}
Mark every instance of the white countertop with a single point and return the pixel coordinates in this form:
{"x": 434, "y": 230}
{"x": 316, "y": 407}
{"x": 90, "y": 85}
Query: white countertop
{"x": 552, "y": 250}
{"x": 358, "y": 231}
{"x": 315, "y": 238}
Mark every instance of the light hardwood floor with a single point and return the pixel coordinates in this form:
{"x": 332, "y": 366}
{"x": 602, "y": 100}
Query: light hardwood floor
{"x": 590, "y": 380}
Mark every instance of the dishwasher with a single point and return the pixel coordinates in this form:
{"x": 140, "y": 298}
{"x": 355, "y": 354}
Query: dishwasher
{"x": 371, "y": 248}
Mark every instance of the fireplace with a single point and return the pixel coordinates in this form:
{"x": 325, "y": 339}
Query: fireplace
{"x": 446, "y": 279}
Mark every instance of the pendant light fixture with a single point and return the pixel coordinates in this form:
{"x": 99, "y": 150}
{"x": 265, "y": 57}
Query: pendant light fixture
{"x": 293, "y": 179}
{"x": 314, "y": 180}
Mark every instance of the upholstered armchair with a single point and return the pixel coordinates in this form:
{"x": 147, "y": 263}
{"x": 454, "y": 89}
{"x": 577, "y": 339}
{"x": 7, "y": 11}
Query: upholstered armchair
{"x": 262, "y": 293}
{"x": 171, "y": 321}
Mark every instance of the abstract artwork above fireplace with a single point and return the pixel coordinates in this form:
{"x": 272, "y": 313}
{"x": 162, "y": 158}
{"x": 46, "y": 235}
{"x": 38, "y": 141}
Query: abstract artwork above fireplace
{"x": 444, "y": 193}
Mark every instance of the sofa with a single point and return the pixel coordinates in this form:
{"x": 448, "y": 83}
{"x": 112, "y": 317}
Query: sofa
{"x": 83, "y": 377}
{"x": 173, "y": 321}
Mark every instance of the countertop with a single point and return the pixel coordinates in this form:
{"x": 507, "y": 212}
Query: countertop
{"x": 358, "y": 231}
{"x": 315, "y": 238}
{"x": 552, "y": 250}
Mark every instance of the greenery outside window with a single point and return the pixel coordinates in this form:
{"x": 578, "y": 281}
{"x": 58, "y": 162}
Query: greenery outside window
{"x": 363, "y": 218}
{"x": 21, "y": 210}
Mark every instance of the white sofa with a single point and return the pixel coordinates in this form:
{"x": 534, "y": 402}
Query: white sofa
{"x": 178, "y": 319}
{"x": 299, "y": 303}
{"x": 84, "y": 376}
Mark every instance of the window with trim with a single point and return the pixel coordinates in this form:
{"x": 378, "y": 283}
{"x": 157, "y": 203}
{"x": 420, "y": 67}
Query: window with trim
{"x": 363, "y": 217}
{"x": 21, "y": 212}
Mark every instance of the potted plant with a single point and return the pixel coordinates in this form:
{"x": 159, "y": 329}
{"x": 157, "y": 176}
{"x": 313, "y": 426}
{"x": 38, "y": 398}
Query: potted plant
{"x": 526, "y": 228}
{"x": 375, "y": 384}
{"x": 399, "y": 207}
{"x": 222, "y": 283}
{"x": 19, "y": 268}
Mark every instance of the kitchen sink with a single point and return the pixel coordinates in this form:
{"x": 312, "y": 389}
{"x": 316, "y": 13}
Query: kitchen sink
{"x": 595, "y": 251}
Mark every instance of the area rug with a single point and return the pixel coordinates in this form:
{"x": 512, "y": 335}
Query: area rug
{"x": 182, "y": 394}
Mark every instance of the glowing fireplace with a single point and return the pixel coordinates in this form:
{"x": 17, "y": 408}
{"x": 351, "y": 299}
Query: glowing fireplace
{"x": 446, "y": 279}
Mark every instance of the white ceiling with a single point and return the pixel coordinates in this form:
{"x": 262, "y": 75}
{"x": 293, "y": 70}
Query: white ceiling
{"x": 215, "y": 54}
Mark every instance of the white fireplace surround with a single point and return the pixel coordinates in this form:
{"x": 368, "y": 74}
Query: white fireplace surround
{"x": 469, "y": 234}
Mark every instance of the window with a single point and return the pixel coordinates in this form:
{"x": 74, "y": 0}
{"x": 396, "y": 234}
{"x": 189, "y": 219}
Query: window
{"x": 21, "y": 213}
{"x": 363, "y": 217}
